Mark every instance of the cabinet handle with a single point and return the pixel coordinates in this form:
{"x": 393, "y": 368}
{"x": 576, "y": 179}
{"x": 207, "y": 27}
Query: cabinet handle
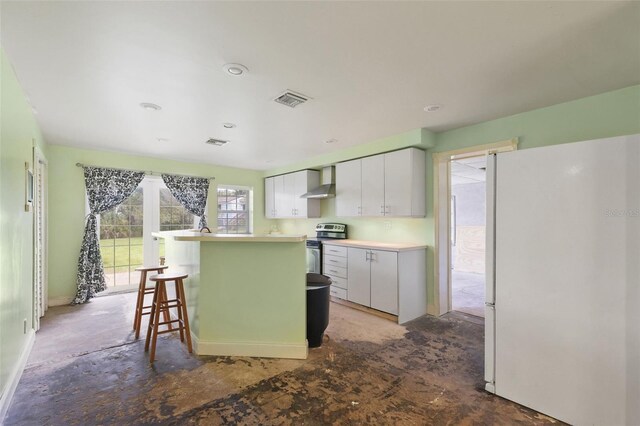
{"x": 333, "y": 260}
{"x": 334, "y": 251}
{"x": 371, "y": 254}
{"x": 366, "y": 255}
{"x": 387, "y": 210}
{"x": 382, "y": 209}
{"x": 359, "y": 210}
{"x": 333, "y": 270}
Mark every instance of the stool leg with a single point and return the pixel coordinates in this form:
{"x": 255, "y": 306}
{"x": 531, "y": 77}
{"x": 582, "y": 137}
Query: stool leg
{"x": 151, "y": 316}
{"x": 165, "y": 312}
{"x": 185, "y": 315}
{"x": 179, "y": 311}
{"x": 139, "y": 303}
{"x": 156, "y": 319}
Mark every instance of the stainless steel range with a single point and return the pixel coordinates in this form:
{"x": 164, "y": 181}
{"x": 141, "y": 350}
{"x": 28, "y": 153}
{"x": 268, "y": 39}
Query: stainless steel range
{"x": 324, "y": 231}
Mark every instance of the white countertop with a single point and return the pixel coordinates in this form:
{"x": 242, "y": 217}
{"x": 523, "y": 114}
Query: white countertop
{"x": 375, "y": 245}
{"x": 249, "y": 238}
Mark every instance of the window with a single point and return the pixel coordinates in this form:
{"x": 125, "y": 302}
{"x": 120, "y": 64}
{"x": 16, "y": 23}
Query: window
{"x": 172, "y": 215}
{"x": 120, "y": 231}
{"x": 125, "y": 231}
{"x": 234, "y": 210}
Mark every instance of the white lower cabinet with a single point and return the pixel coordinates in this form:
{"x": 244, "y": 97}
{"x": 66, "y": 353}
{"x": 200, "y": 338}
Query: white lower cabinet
{"x": 359, "y": 276}
{"x": 373, "y": 278}
{"x": 392, "y": 280}
{"x": 334, "y": 265}
{"x": 384, "y": 281}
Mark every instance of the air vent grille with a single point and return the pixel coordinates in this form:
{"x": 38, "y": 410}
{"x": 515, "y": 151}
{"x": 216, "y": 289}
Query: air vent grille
{"x": 217, "y": 142}
{"x": 291, "y": 99}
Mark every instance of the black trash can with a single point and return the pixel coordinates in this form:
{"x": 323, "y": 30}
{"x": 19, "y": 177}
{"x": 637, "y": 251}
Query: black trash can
{"x": 317, "y": 308}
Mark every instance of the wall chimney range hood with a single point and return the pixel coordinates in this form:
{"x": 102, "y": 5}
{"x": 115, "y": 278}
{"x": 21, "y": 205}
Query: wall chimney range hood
{"x": 328, "y": 187}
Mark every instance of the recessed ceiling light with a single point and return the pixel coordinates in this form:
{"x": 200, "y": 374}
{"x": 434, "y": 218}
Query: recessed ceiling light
{"x": 150, "y": 106}
{"x": 228, "y": 125}
{"x": 162, "y": 140}
{"x": 331, "y": 141}
{"x": 235, "y": 69}
{"x": 433, "y": 108}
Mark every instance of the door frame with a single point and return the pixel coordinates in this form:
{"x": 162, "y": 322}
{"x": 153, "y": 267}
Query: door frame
{"x": 442, "y": 215}
{"x": 40, "y": 252}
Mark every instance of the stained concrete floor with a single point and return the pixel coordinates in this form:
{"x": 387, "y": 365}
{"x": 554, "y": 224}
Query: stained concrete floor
{"x": 86, "y": 368}
{"x": 467, "y": 290}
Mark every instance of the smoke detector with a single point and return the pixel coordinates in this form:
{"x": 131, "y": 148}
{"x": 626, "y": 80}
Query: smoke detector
{"x": 216, "y": 142}
{"x": 291, "y": 99}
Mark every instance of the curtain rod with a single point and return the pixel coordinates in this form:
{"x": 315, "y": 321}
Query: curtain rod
{"x": 146, "y": 172}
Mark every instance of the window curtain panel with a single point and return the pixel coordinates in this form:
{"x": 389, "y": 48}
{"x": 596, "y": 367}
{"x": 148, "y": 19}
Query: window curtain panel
{"x": 191, "y": 192}
{"x": 106, "y": 188}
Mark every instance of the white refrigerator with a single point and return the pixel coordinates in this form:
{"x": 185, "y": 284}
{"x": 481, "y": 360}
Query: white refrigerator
{"x": 563, "y": 290}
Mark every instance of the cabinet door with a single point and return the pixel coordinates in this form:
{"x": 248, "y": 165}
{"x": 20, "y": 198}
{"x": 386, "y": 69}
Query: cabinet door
{"x": 373, "y": 186}
{"x": 288, "y": 195}
{"x": 304, "y": 181}
{"x": 398, "y": 172}
{"x": 358, "y": 276}
{"x": 269, "y": 198}
{"x": 299, "y": 205}
{"x": 280, "y": 197}
{"x": 348, "y": 189}
{"x": 384, "y": 281}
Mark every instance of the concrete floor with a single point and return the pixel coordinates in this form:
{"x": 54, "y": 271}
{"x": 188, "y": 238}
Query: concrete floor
{"x": 467, "y": 290}
{"x": 86, "y": 368}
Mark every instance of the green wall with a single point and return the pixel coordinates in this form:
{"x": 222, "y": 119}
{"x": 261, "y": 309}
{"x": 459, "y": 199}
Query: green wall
{"x": 609, "y": 114}
{"x": 67, "y": 203}
{"x": 18, "y": 135}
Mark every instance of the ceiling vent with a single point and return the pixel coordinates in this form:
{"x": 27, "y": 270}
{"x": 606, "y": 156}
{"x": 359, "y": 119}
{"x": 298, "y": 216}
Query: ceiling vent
{"x": 217, "y": 142}
{"x": 291, "y": 99}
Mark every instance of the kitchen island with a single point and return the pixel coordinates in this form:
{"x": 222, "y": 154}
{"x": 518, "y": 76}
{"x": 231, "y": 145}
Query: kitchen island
{"x": 245, "y": 293}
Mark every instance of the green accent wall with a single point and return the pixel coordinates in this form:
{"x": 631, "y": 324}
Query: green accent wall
{"x": 609, "y": 114}
{"x": 18, "y": 135}
{"x": 67, "y": 203}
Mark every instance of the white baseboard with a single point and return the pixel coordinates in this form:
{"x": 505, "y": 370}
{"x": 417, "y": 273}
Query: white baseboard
{"x": 259, "y": 350}
{"x": 59, "y": 301}
{"x": 14, "y": 377}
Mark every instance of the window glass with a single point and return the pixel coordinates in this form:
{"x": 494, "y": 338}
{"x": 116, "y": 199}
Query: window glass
{"x": 233, "y": 210}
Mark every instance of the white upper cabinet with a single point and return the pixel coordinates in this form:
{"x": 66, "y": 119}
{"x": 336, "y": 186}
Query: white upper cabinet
{"x": 280, "y": 200}
{"x": 391, "y": 184}
{"x": 269, "y": 198}
{"x": 373, "y": 185}
{"x": 282, "y": 195}
{"x": 404, "y": 183}
{"x": 348, "y": 189}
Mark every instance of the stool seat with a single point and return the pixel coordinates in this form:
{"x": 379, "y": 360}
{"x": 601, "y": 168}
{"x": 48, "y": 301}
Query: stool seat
{"x": 158, "y": 268}
{"x": 168, "y": 277}
{"x": 143, "y": 290}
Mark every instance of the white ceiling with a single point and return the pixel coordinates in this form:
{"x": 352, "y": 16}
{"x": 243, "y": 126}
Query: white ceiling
{"x": 469, "y": 170}
{"x": 370, "y": 68}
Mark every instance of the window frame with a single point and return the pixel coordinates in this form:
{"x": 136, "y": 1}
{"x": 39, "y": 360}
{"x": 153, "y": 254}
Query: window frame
{"x": 248, "y": 211}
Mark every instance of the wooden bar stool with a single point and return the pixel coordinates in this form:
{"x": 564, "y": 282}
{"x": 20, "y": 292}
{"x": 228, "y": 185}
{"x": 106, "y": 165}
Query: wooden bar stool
{"x": 161, "y": 303}
{"x": 142, "y": 291}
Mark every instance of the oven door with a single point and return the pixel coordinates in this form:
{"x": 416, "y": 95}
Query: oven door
{"x": 314, "y": 260}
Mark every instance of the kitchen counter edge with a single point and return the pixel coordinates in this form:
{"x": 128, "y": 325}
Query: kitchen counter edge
{"x": 376, "y": 245}
{"x": 235, "y": 238}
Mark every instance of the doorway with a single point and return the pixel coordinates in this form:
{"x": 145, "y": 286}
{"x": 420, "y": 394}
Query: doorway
{"x": 464, "y": 248}
{"x": 126, "y": 240}
{"x": 468, "y": 234}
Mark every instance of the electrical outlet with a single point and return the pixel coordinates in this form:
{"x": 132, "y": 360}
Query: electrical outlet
{"x": 387, "y": 224}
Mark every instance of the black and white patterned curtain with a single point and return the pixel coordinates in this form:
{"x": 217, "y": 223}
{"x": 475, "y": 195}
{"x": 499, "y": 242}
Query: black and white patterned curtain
{"x": 191, "y": 192}
{"x": 106, "y": 188}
